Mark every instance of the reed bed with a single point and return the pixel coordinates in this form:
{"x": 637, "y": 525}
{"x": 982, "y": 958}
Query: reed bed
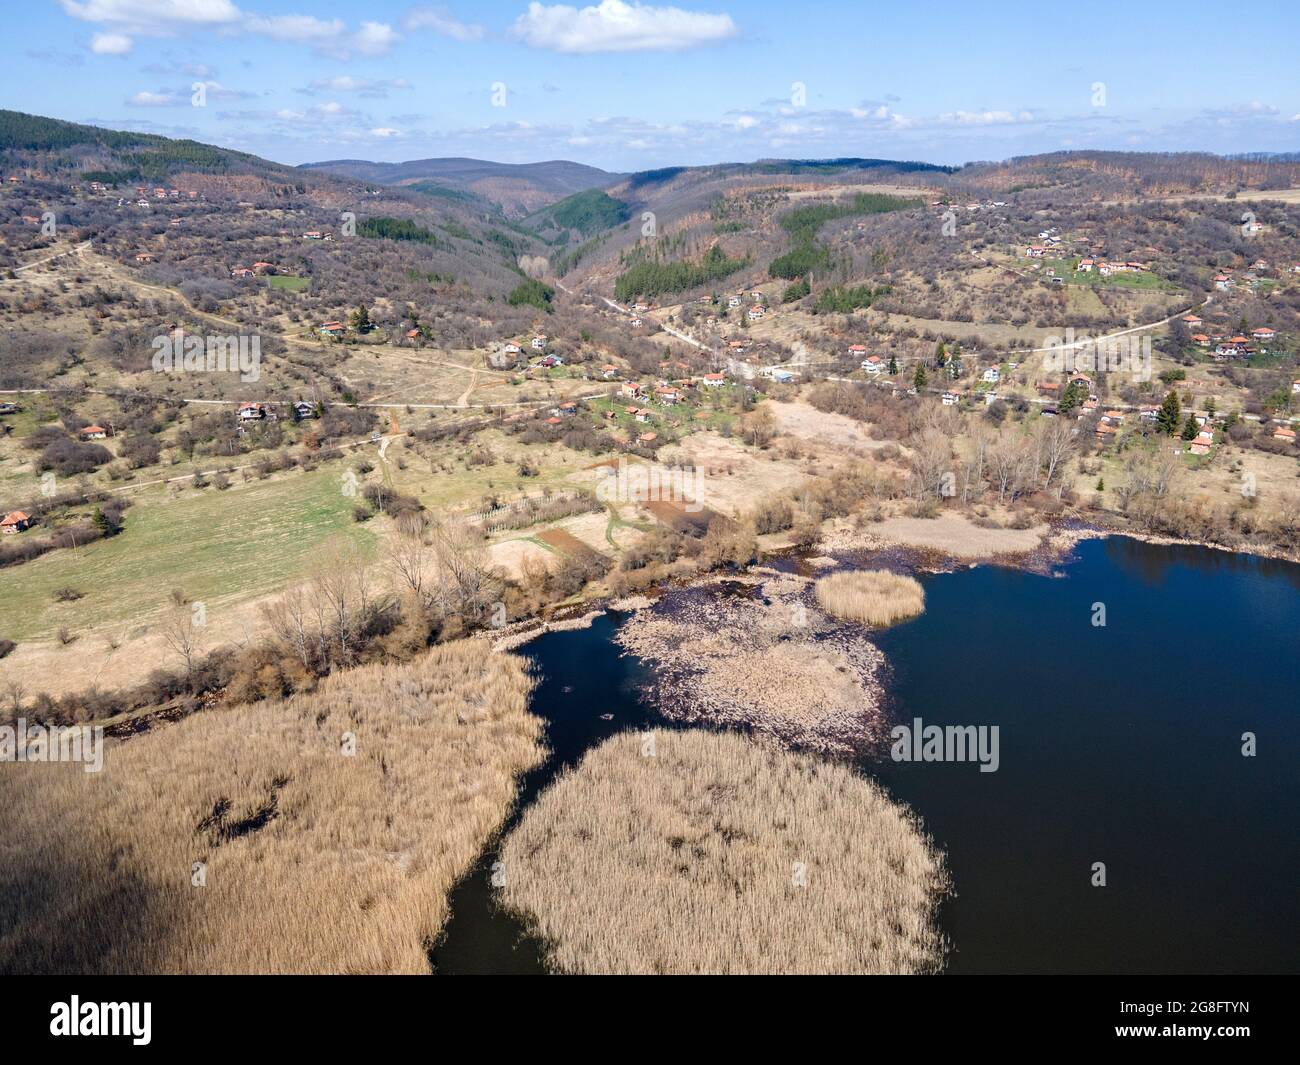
{"x": 714, "y": 854}
{"x": 764, "y": 660}
{"x": 874, "y": 597}
{"x": 315, "y": 861}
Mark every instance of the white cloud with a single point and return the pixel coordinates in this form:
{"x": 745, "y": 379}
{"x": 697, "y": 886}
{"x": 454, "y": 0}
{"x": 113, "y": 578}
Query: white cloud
{"x": 111, "y": 44}
{"x": 746, "y": 122}
{"x": 375, "y": 38}
{"x": 155, "y": 99}
{"x": 385, "y": 132}
{"x": 438, "y": 20}
{"x": 985, "y": 118}
{"x": 149, "y": 12}
{"x": 615, "y": 26}
{"x": 164, "y": 18}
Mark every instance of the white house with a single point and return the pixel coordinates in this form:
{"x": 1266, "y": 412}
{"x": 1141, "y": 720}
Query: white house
{"x": 714, "y": 380}
{"x": 539, "y": 342}
{"x": 755, "y": 314}
{"x": 991, "y": 376}
{"x": 950, "y": 399}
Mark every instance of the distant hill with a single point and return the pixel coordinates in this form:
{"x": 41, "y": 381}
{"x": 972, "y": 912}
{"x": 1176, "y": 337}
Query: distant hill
{"x": 444, "y": 233}
{"x": 518, "y": 189}
{"x": 589, "y": 213}
{"x": 121, "y": 156}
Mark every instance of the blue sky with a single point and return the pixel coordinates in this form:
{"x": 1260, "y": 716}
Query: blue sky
{"x": 627, "y": 86}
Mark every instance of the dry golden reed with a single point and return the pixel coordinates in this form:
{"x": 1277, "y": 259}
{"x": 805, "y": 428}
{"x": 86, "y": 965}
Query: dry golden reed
{"x": 876, "y": 597}
{"x": 315, "y": 861}
{"x": 691, "y": 860}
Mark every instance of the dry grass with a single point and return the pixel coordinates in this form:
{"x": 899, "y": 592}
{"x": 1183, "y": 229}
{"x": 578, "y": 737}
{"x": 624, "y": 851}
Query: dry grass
{"x": 769, "y": 663}
{"x": 315, "y": 861}
{"x": 685, "y": 862}
{"x": 876, "y": 597}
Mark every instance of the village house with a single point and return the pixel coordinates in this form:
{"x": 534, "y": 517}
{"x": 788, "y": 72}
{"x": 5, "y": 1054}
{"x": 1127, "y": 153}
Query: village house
{"x": 1191, "y": 321}
{"x": 755, "y": 314}
{"x": 631, "y": 390}
{"x": 667, "y": 396}
{"x": 144, "y": 257}
{"x": 1203, "y": 442}
{"x": 15, "y": 522}
{"x": 637, "y": 323}
{"x": 252, "y": 412}
{"x": 991, "y": 376}
{"x": 93, "y": 432}
{"x": 539, "y": 343}
{"x": 858, "y": 351}
{"x": 733, "y": 301}
{"x": 713, "y": 380}
{"x": 648, "y": 438}
{"x": 550, "y": 362}
{"x": 1264, "y": 333}
{"x": 873, "y": 364}
{"x": 333, "y": 329}
{"x": 303, "y": 410}
{"x": 608, "y": 372}
{"x": 1295, "y": 387}
{"x": 240, "y": 272}
{"x": 312, "y": 234}
{"x": 1284, "y": 434}
{"x": 1035, "y": 251}
{"x": 1051, "y": 389}
{"x": 1222, "y": 282}
{"x": 643, "y": 415}
{"x": 1085, "y": 266}
{"x": 781, "y": 377}
{"x": 950, "y": 399}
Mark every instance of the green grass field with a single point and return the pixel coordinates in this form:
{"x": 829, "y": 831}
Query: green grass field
{"x": 243, "y": 542}
{"x": 289, "y": 282}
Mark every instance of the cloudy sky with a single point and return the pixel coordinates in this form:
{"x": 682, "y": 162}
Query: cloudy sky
{"x": 627, "y": 85}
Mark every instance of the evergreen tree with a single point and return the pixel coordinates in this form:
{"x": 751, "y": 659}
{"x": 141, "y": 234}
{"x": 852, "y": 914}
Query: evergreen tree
{"x": 919, "y": 379}
{"x": 361, "y": 319}
{"x": 1169, "y": 413}
{"x": 893, "y": 365}
{"x": 1190, "y": 428}
{"x": 103, "y": 523}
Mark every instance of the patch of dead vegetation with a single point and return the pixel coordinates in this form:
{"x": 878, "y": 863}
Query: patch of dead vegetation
{"x": 711, "y": 854}
{"x": 771, "y": 662}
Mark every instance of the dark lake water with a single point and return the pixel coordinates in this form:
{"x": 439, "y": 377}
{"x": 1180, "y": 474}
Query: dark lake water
{"x": 1119, "y": 744}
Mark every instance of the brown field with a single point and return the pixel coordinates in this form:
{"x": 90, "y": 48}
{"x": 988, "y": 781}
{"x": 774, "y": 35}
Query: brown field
{"x": 712, "y": 854}
{"x": 564, "y": 541}
{"x": 876, "y": 597}
{"x": 315, "y": 861}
